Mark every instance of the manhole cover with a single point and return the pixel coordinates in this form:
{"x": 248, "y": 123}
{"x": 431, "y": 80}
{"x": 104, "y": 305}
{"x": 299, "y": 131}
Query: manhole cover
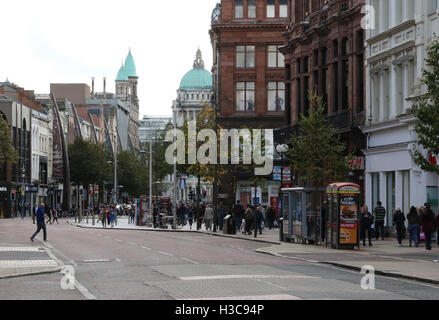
{"x": 96, "y": 260}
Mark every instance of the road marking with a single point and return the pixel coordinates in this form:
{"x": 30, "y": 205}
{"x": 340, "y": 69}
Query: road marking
{"x": 245, "y": 276}
{"x": 84, "y": 291}
{"x": 191, "y": 261}
{"x": 118, "y": 240}
{"x": 117, "y": 260}
{"x": 107, "y": 237}
{"x": 132, "y": 243}
{"x": 146, "y": 248}
{"x": 166, "y": 254}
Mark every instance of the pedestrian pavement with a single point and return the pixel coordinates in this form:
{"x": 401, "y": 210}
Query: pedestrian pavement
{"x": 384, "y": 256}
{"x": 267, "y": 236}
{"x": 17, "y": 261}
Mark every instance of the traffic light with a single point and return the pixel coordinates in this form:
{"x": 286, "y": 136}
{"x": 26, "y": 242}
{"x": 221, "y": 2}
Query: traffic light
{"x": 12, "y": 195}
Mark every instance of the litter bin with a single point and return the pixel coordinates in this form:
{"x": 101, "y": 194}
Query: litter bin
{"x": 229, "y": 225}
{"x": 281, "y": 229}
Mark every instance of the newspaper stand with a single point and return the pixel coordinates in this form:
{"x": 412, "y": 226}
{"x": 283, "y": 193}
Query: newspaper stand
{"x": 342, "y": 229}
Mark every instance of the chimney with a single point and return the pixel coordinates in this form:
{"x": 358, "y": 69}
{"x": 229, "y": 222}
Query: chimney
{"x": 92, "y": 87}
{"x": 105, "y": 86}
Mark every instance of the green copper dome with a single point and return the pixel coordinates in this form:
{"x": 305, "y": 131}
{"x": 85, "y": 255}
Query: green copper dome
{"x": 128, "y": 69}
{"x": 198, "y": 78}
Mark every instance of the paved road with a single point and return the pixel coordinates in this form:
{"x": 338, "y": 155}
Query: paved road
{"x": 116, "y": 264}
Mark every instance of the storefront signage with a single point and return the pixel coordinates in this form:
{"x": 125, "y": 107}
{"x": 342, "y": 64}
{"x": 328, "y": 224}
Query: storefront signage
{"x": 286, "y": 174}
{"x": 277, "y": 173}
{"x": 356, "y": 163}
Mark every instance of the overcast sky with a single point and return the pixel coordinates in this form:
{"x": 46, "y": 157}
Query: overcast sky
{"x": 49, "y": 41}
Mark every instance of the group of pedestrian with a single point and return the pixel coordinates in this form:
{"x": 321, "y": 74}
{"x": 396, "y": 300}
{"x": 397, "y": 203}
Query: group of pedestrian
{"x": 421, "y": 221}
{"x": 107, "y": 215}
{"x": 254, "y": 217}
{"x": 202, "y": 212}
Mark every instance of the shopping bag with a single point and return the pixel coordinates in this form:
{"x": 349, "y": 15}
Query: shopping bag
{"x": 422, "y": 236}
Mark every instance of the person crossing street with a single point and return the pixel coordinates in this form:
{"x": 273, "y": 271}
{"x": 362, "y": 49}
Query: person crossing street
{"x": 41, "y": 223}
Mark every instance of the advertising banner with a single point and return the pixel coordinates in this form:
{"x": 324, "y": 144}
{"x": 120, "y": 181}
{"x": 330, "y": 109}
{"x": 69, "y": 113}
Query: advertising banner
{"x": 349, "y": 199}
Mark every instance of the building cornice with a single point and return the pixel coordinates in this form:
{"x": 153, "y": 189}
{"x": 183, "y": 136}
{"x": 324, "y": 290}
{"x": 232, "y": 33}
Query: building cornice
{"x": 404, "y": 146}
{"x": 388, "y": 33}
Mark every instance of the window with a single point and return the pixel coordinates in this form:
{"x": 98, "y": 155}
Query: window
{"x": 283, "y": 8}
{"x": 270, "y": 9}
{"x": 345, "y": 47}
{"x": 276, "y": 96}
{"x": 239, "y": 9}
{"x": 298, "y": 69}
{"x": 245, "y": 56}
{"x": 335, "y": 48}
{"x": 324, "y": 56}
{"x": 305, "y": 64}
{"x": 316, "y": 57}
{"x": 251, "y": 9}
{"x": 245, "y": 96}
{"x": 275, "y": 58}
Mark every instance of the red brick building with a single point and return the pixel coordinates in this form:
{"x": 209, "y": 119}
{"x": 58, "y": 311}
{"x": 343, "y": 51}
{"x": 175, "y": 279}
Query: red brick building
{"x": 249, "y": 73}
{"x": 324, "y": 53}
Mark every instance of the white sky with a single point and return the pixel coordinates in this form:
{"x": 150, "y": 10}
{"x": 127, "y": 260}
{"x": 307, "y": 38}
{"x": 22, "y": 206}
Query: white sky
{"x": 50, "y": 41}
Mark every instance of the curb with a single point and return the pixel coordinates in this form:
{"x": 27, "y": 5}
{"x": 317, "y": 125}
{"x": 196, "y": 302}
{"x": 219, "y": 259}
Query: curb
{"x": 350, "y": 267}
{"x": 58, "y": 269}
{"x": 181, "y": 231}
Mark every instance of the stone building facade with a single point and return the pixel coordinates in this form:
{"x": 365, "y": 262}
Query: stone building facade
{"x": 395, "y": 56}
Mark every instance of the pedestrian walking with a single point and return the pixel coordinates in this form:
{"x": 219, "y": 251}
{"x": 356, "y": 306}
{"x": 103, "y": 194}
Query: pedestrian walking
{"x": 366, "y": 221}
{"x": 248, "y": 216}
{"x": 414, "y": 222}
{"x": 399, "y": 224}
{"x": 103, "y": 217}
{"x": 49, "y": 216}
{"x": 208, "y": 217}
{"x": 380, "y": 216}
{"x": 238, "y": 210}
{"x": 221, "y": 213}
{"x": 258, "y": 218}
{"x": 199, "y": 215}
{"x": 41, "y": 224}
{"x": 428, "y": 225}
{"x": 155, "y": 215}
{"x": 132, "y": 216}
{"x": 270, "y": 217}
{"x": 55, "y": 216}
{"x": 190, "y": 216}
{"x": 112, "y": 216}
{"x": 437, "y": 228}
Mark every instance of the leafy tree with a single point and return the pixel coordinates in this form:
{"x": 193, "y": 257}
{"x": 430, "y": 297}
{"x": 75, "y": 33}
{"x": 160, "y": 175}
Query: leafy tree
{"x": 88, "y": 163}
{"x": 7, "y": 152}
{"x": 206, "y": 119}
{"x": 131, "y": 173}
{"x": 317, "y": 155}
{"x": 427, "y": 113}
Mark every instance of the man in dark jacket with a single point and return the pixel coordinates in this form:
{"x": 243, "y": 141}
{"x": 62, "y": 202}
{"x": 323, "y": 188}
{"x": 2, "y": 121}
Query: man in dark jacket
{"x": 221, "y": 213}
{"x": 258, "y": 218}
{"x": 238, "y": 211}
{"x": 428, "y": 225}
{"x": 380, "y": 216}
{"x": 437, "y": 228}
{"x": 366, "y": 221}
{"x": 41, "y": 224}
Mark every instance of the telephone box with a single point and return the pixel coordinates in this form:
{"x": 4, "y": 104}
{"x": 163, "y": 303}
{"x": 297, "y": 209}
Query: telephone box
{"x": 342, "y": 228}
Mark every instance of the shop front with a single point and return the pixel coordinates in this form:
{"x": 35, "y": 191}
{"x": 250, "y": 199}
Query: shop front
{"x": 5, "y": 202}
{"x": 267, "y": 194}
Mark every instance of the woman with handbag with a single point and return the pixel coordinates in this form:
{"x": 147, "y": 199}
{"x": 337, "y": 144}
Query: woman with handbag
{"x": 428, "y": 225}
{"x": 398, "y": 222}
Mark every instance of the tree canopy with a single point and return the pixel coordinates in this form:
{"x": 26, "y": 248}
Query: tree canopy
{"x": 427, "y": 113}
{"x": 7, "y": 152}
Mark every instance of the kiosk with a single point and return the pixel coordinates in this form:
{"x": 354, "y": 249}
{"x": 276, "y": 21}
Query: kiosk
{"x": 301, "y": 214}
{"x": 342, "y": 228}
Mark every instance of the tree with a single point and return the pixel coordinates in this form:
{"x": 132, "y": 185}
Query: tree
{"x": 88, "y": 163}
{"x": 7, "y": 152}
{"x": 131, "y": 173}
{"x": 317, "y": 155}
{"x": 427, "y": 113}
{"x": 206, "y": 119}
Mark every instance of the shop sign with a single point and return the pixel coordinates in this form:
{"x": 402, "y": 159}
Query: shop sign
{"x": 277, "y": 173}
{"x": 356, "y": 163}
